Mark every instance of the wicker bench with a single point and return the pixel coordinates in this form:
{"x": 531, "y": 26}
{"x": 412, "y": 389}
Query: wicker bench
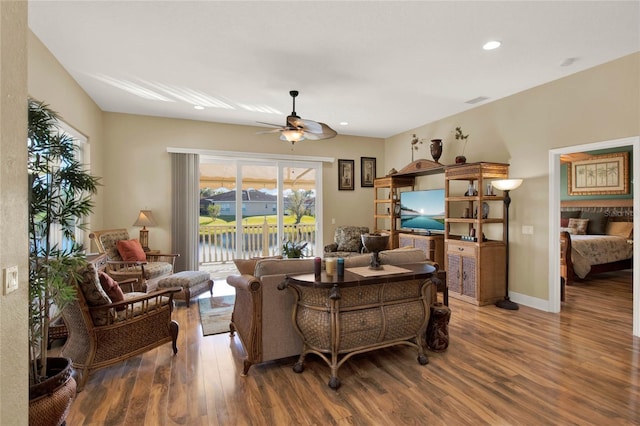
{"x": 193, "y": 283}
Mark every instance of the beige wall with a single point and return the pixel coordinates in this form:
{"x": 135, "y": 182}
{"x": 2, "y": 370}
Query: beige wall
{"x": 138, "y": 153}
{"x": 14, "y": 353}
{"x": 595, "y": 105}
{"x": 50, "y": 83}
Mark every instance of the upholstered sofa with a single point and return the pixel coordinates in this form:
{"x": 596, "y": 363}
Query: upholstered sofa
{"x": 262, "y": 314}
{"x": 347, "y": 242}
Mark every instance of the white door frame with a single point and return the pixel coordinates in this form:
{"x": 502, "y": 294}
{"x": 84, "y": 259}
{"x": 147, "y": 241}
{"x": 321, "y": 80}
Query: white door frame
{"x": 554, "y": 220}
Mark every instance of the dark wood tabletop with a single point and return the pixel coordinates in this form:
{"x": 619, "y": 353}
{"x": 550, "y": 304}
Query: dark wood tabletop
{"x": 350, "y": 279}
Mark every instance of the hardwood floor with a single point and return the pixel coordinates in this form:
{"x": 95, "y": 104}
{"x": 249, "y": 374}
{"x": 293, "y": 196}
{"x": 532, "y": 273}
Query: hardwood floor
{"x": 502, "y": 367}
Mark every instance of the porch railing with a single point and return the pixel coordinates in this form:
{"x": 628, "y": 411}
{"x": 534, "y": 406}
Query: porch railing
{"x": 218, "y": 242}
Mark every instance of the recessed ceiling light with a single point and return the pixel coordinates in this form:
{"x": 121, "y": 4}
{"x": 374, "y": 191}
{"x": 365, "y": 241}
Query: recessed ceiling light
{"x": 198, "y": 107}
{"x": 344, "y": 123}
{"x": 490, "y": 45}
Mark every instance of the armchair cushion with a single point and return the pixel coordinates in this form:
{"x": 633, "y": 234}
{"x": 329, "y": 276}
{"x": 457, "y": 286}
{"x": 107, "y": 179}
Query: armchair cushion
{"x": 91, "y": 288}
{"x": 347, "y": 239}
{"x": 95, "y": 295}
{"x": 131, "y": 250}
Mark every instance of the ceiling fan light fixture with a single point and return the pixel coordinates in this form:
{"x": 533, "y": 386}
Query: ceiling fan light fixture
{"x": 293, "y": 135}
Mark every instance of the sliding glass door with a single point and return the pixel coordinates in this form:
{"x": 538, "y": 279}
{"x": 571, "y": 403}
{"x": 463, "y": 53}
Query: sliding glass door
{"x": 248, "y": 208}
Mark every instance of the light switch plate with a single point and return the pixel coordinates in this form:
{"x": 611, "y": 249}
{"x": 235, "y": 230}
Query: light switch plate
{"x": 10, "y": 281}
{"x": 527, "y": 229}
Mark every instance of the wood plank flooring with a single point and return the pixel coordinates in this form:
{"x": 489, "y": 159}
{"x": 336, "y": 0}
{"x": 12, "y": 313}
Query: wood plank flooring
{"x": 523, "y": 367}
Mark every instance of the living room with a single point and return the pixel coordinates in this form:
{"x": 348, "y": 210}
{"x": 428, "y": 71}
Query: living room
{"x": 129, "y": 152}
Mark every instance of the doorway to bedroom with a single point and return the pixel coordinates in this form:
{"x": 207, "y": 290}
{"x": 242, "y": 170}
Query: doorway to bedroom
{"x": 555, "y": 182}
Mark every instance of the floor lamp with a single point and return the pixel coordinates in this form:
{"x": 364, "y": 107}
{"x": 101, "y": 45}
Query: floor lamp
{"x": 507, "y": 185}
{"x": 145, "y": 218}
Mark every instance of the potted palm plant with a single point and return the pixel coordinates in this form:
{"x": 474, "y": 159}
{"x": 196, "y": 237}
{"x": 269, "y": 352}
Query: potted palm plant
{"x": 60, "y": 191}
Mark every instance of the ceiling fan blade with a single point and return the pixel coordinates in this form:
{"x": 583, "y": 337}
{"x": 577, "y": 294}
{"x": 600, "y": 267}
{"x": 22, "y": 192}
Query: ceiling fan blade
{"x": 325, "y": 133}
{"x": 269, "y": 131}
{"x": 270, "y": 124}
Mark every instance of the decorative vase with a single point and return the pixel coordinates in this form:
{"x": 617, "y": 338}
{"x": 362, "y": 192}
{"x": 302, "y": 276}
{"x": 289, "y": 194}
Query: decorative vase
{"x": 50, "y": 400}
{"x": 436, "y": 149}
{"x": 461, "y": 159}
{"x": 374, "y": 243}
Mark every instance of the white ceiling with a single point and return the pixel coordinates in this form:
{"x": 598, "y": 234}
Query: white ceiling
{"x": 385, "y": 67}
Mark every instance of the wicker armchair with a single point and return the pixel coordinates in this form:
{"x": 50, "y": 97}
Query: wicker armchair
{"x": 148, "y": 273}
{"x": 102, "y": 334}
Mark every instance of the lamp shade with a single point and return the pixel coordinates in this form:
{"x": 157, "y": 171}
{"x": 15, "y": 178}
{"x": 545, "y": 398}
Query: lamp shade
{"x": 506, "y": 184}
{"x": 145, "y": 218}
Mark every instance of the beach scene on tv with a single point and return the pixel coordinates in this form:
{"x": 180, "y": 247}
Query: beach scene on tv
{"x": 422, "y": 210}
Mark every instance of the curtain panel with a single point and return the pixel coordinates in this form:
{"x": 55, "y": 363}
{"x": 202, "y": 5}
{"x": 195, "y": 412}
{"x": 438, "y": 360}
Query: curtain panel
{"x": 185, "y": 210}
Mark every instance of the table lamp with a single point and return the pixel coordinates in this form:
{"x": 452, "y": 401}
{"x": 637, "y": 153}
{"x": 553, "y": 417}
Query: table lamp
{"x": 507, "y": 185}
{"x": 145, "y": 218}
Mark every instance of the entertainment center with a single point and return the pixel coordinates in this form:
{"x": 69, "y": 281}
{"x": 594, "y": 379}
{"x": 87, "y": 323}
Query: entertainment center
{"x": 470, "y": 246}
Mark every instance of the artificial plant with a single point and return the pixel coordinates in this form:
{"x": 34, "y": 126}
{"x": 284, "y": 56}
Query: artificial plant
{"x": 60, "y": 191}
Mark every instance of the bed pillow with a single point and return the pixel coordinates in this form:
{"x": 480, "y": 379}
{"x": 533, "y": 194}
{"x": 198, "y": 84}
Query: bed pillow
{"x": 566, "y": 215}
{"x": 620, "y": 229}
{"x": 597, "y": 222}
{"x": 578, "y": 226}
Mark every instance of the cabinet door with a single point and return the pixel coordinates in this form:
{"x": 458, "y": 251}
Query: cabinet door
{"x": 468, "y": 276}
{"x": 405, "y": 241}
{"x": 454, "y": 272}
{"x": 428, "y": 246}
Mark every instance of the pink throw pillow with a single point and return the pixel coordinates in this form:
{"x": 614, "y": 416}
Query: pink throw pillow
{"x": 112, "y": 289}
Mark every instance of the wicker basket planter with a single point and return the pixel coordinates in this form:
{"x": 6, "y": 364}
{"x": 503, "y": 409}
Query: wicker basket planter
{"x": 50, "y": 400}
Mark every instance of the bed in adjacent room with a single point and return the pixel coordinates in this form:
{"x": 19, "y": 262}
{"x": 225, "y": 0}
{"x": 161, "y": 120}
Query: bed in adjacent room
{"x": 593, "y": 242}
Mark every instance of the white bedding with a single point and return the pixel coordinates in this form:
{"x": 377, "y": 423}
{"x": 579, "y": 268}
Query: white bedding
{"x": 587, "y": 250}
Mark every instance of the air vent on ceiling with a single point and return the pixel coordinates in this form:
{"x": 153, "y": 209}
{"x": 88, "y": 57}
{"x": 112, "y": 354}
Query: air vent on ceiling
{"x": 476, "y": 100}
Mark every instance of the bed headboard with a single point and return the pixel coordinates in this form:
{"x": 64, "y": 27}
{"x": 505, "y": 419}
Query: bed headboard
{"x": 618, "y": 210}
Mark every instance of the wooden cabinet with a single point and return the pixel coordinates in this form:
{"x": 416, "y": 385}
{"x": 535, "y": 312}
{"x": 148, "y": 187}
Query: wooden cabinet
{"x": 475, "y": 232}
{"x": 432, "y": 245}
{"x": 386, "y": 204}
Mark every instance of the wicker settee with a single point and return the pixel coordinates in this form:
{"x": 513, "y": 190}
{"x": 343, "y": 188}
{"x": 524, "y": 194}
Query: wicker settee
{"x": 262, "y": 314}
{"x": 103, "y": 332}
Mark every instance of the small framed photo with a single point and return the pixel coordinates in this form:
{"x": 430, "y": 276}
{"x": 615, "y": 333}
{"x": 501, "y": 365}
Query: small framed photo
{"x": 367, "y": 171}
{"x": 345, "y": 174}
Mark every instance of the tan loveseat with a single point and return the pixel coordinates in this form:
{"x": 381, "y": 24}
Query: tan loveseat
{"x": 262, "y": 313}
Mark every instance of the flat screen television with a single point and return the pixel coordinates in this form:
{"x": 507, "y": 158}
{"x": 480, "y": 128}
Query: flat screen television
{"x": 422, "y": 211}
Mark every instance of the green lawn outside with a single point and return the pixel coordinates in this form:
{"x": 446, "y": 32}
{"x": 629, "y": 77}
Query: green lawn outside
{"x": 254, "y": 220}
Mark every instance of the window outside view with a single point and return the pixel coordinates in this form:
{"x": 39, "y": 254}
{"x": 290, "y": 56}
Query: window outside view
{"x": 250, "y": 229}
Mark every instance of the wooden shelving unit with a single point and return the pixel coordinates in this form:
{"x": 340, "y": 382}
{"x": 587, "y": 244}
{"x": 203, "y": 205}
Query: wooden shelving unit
{"x": 387, "y": 198}
{"x": 475, "y": 244}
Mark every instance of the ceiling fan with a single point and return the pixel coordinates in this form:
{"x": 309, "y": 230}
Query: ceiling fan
{"x": 297, "y": 129}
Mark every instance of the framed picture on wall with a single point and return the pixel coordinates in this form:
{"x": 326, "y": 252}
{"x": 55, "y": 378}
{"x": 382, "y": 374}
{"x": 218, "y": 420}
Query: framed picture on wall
{"x": 345, "y": 174}
{"x": 606, "y": 174}
{"x": 367, "y": 171}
